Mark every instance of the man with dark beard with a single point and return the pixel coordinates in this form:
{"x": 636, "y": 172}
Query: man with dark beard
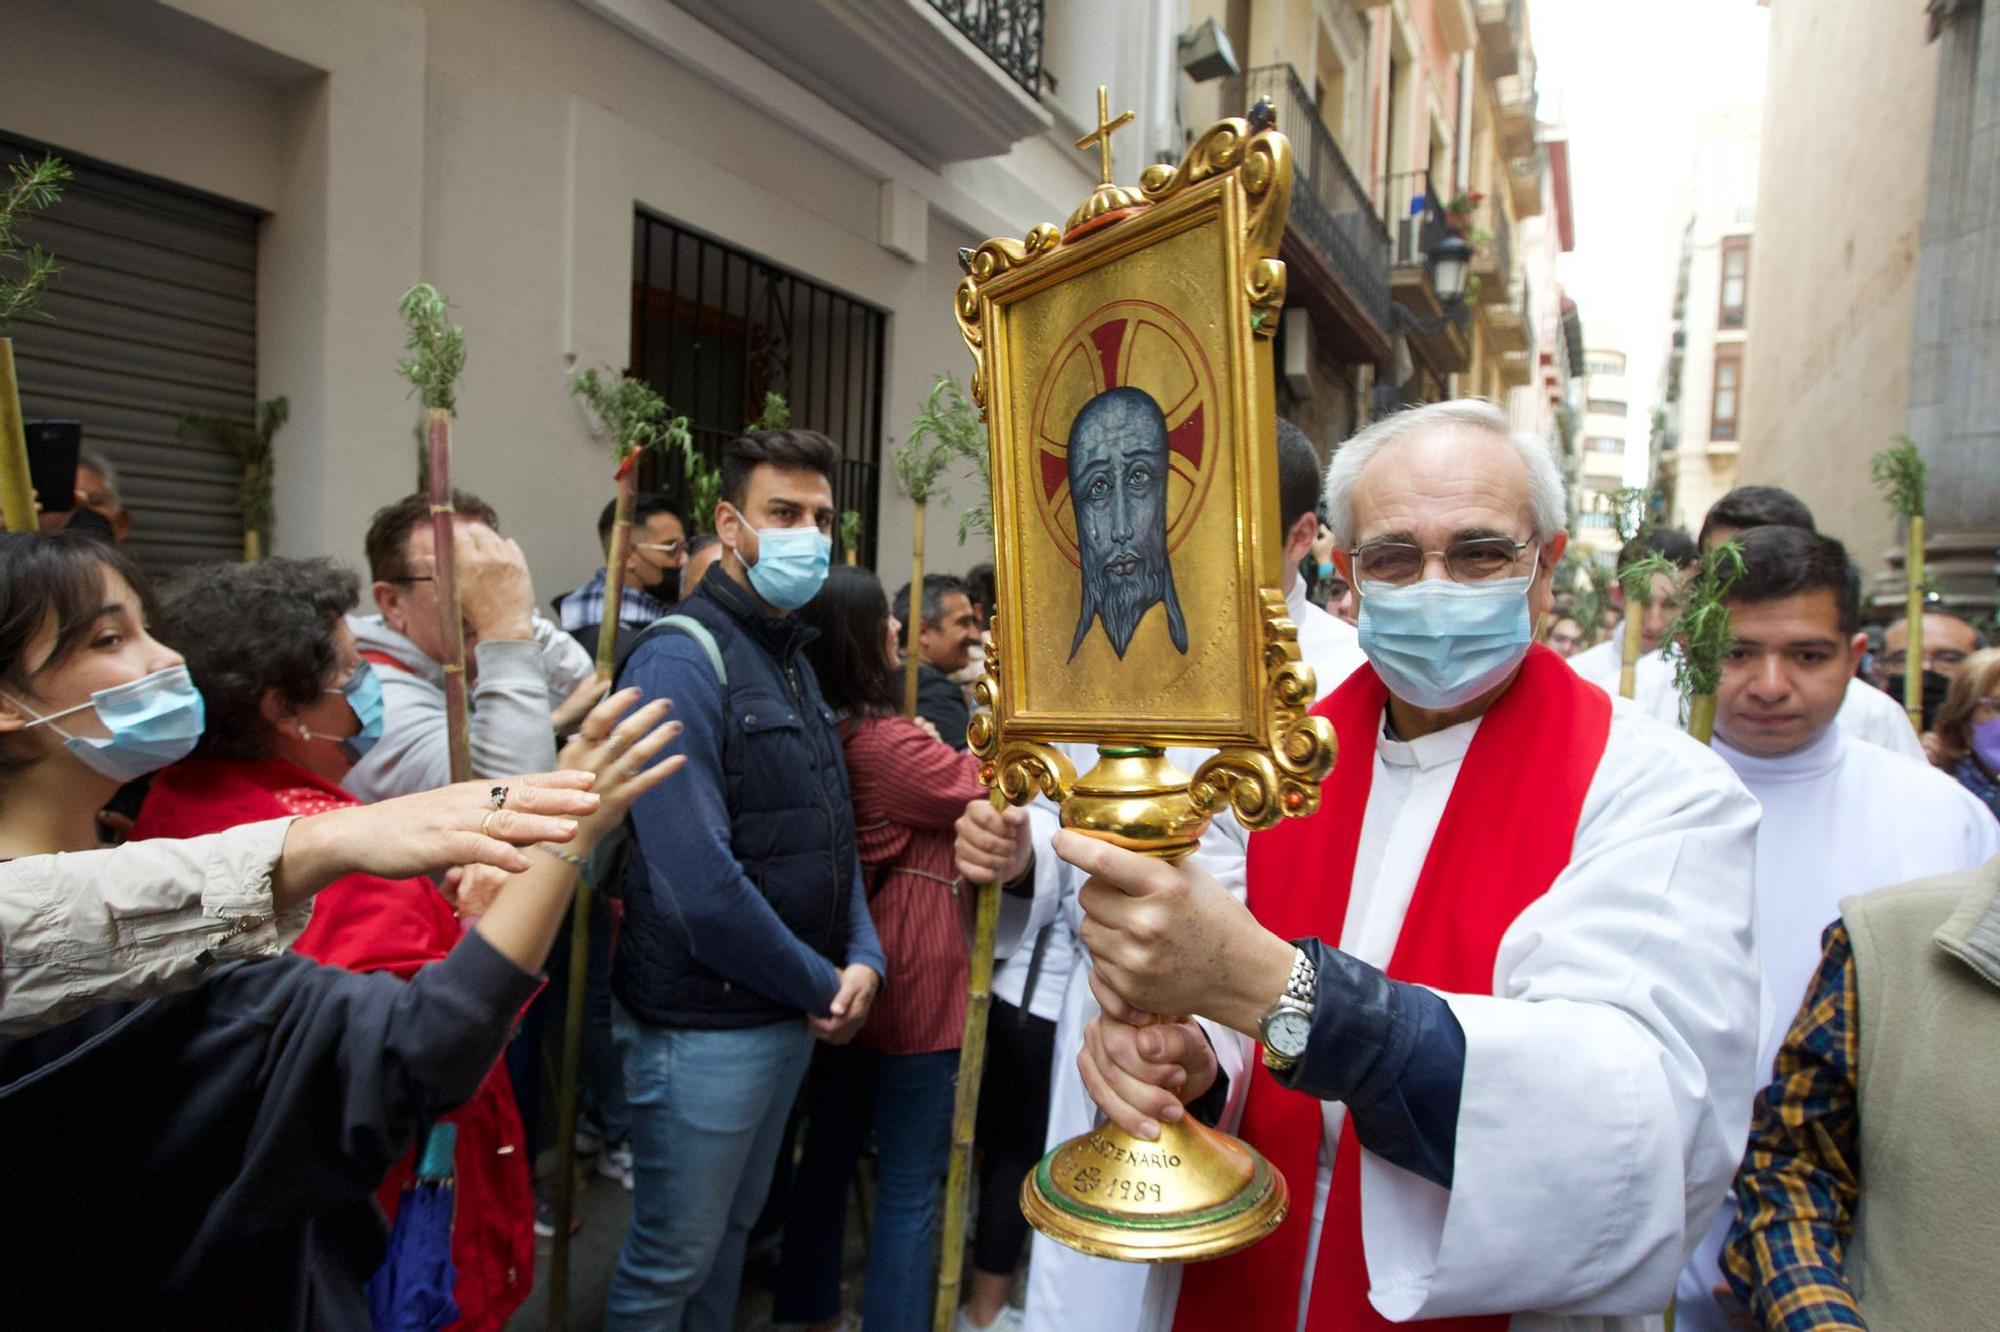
{"x": 1118, "y": 483}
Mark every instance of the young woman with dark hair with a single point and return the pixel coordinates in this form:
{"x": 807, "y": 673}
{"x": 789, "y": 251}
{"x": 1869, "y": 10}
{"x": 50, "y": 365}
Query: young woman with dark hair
{"x": 88, "y": 701}
{"x": 241, "y": 1125}
{"x": 897, "y": 1078}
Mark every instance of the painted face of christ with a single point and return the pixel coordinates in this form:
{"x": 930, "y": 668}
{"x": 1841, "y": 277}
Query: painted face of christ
{"x": 1118, "y": 484}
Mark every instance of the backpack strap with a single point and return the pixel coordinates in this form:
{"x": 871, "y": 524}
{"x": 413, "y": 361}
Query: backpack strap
{"x": 698, "y": 631}
{"x": 694, "y": 629}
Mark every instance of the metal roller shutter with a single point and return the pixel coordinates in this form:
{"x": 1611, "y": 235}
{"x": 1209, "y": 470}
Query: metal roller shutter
{"x": 153, "y": 316}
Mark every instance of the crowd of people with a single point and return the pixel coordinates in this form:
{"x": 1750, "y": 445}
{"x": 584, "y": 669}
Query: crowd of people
{"x": 1557, "y": 1008}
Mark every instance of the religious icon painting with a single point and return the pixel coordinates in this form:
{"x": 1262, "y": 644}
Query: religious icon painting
{"x": 1125, "y": 371}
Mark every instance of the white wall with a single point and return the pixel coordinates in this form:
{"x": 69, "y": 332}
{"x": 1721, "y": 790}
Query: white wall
{"x": 498, "y": 150}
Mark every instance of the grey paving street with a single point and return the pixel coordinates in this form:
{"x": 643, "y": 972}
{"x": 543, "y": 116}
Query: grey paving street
{"x": 604, "y": 1207}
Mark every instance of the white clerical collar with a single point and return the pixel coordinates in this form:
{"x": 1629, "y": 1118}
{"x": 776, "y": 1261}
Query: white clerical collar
{"x": 1815, "y": 759}
{"x": 1436, "y": 750}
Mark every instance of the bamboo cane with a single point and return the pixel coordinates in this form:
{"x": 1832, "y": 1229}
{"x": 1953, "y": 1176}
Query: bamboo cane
{"x": 916, "y": 609}
{"x": 1913, "y": 613}
{"x": 852, "y": 556}
{"x": 253, "y": 545}
{"x": 444, "y": 564}
{"x": 1701, "y": 717}
{"x": 965, "y": 1103}
{"x": 17, "y": 488}
{"x": 614, "y": 567}
{"x": 572, "y": 1055}
{"x": 1628, "y": 649}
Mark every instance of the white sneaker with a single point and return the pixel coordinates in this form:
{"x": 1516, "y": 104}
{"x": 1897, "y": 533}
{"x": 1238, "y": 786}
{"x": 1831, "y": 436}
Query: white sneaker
{"x": 615, "y": 1162}
{"x": 1007, "y": 1320}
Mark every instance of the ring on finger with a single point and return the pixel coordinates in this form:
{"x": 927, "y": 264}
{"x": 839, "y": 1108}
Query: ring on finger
{"x": 486, "y": 824}
{"x": 497, "y": 797}
{"x": 614, "y": 742}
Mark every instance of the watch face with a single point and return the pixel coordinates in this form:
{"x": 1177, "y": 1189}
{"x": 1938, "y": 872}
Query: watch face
{"x": 1286, "y": 1033}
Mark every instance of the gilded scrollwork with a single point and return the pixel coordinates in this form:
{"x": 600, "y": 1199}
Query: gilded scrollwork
{"x": 1282, "y": 778}
{"x": 1000, "y": 255}
{"x": 1262, "y": 160}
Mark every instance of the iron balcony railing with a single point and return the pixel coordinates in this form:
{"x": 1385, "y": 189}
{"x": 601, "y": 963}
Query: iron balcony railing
{"x": 1008, "y": 31}
{"x": 1331, "y": 211}
{"x": 1414, "y": 216}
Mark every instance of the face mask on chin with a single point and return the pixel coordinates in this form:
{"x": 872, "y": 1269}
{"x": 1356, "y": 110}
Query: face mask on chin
{"x": 1935, "y": 687}
{"x": 1438, "y": 644}
{"x": 1986, "y": 743}
{"x": 667, "y": 587}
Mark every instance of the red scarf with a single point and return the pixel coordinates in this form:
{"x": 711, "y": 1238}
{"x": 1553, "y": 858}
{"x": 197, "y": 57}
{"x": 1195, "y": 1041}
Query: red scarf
{"x": 1508, "y": 829}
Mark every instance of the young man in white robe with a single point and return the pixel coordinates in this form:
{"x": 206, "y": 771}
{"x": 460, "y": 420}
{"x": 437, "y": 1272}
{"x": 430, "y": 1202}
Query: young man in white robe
{"x": 1068, "y": 1291}
{"x": 1866, "y": 713}
{"x": 1523, "y": 1077}
{"x": 1840, "y": 816}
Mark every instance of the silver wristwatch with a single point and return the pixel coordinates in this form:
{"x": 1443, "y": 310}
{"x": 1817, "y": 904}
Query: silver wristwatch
{"x": 1289, "y": 1022}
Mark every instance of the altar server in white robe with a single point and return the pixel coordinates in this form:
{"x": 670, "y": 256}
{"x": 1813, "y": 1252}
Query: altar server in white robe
{"x": 1601, "y": 663}
{"x": 1524, "y": 1070}
{"x": 1866, "y": 713}
{"x": 1840, "y": 816}
{"x": 1068, "y": 1291}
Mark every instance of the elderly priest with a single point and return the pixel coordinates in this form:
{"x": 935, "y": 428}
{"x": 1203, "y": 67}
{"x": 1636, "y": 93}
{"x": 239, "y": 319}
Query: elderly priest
{"x": 1503, "y": 981}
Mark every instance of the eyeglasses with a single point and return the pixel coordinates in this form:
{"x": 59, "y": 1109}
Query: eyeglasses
{"x": 1400, "y": 562}
{"x": 1896, "y": 658}
{"x": 1986, "y": 709}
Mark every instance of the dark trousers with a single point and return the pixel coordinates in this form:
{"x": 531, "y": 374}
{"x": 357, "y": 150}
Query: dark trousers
{"x": 1013, "y": 1120}
{"x": 905, "y": 1101}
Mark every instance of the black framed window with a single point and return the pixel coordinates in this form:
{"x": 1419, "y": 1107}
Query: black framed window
{"x": 714, "y": 328}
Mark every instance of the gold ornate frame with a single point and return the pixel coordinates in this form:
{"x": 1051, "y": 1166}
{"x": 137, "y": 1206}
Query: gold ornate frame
{"x": 1270, "y": 755}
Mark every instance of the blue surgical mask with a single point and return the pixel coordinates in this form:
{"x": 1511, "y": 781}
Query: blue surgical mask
{"x": 364, "y": 697}
{"x": 791, "y": 565}
{"x": 1438, "y": 644}
{"x": 155, "y": 720}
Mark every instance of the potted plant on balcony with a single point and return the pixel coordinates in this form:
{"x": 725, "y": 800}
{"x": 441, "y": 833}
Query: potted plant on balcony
{"x": 1459, "y": 220}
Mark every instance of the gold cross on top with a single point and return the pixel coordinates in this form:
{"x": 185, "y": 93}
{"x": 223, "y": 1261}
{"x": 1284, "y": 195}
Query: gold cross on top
{"x": 1106, "y": 127}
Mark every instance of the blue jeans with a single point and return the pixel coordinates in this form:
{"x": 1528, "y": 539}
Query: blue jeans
{"x": 906, "y": 1100}
{"x": 708, "y": 1111}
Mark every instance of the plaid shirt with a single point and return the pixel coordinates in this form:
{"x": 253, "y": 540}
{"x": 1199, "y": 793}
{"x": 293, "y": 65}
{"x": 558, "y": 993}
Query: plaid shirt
{"x": 1796, "y": 1192}
{"x": 585, "y": 606}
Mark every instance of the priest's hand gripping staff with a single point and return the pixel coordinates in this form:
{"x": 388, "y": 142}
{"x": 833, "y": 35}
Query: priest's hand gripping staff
{"x": 1123, "y": 366}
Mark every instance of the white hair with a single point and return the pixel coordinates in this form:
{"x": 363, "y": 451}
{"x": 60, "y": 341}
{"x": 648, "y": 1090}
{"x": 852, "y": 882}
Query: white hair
{"x": 86, "y": 456}
{"x": 1546, "y": 503}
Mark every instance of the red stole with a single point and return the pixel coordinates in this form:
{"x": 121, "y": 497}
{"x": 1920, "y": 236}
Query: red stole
{"x": 1508, "y": 829}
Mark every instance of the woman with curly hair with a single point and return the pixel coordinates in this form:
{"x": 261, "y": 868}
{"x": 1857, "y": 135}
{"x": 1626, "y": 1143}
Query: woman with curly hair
{"x": 213, "y": 1132}
{"x": 292, "y": 706}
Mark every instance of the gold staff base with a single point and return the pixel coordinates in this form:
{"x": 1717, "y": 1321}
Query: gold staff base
{"x": 1196, "y": 1193}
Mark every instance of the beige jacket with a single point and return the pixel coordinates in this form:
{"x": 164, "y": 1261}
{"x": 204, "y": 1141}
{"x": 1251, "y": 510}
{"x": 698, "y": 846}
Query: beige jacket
{"x": 95, "y": 927}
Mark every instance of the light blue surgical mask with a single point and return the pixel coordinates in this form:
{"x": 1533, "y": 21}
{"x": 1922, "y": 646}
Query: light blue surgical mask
{"x": 791, "y": 565}
{"x": 155, "y": 720}
{"x": 364, "y": 696}
{"x": 1438, "y": 644}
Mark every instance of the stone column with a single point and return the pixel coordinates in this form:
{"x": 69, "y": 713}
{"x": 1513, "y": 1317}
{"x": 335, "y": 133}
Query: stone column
{"x": 1954, "y": 412}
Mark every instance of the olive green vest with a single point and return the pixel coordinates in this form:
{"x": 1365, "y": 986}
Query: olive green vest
{"x": 1925, "y": 1253}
